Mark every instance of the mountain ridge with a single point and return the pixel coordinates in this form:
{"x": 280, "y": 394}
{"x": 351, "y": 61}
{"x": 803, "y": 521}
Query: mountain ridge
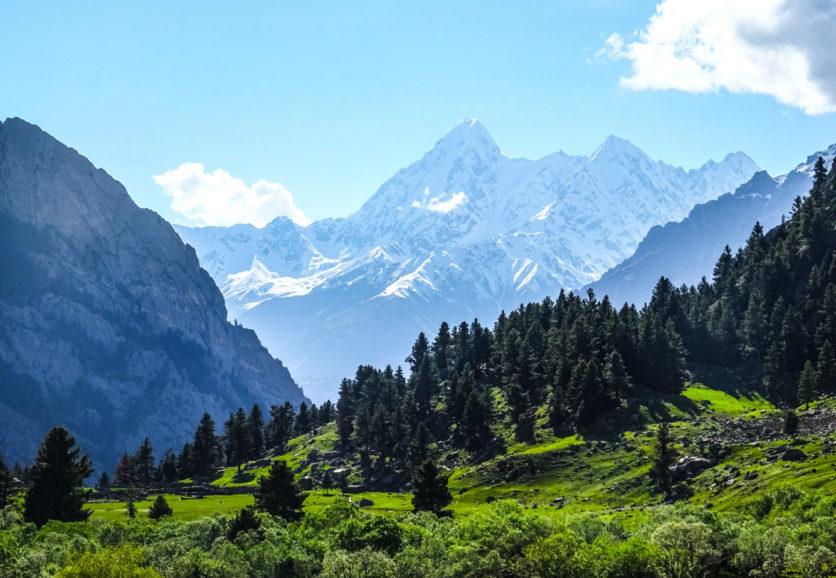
{"x": 465, "y": 232}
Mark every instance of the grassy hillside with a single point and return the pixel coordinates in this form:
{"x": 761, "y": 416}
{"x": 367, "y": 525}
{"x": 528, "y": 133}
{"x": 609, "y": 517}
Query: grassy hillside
{"x": 739, "y": 431}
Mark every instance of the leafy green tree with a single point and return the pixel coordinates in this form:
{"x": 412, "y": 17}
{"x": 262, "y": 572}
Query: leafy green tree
{"x": 57, "y": 477}
{"x": 663, "y": 456}
{"x": 160, "y": 508}
{"x": 430, "y": 493}
{"x": 278, "y": 494}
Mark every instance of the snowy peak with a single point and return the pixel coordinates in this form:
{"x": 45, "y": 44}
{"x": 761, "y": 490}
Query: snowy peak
{"x": 468, "y": 138}
{"x": 463, "y": 232}
{"x": 614, "y": 147}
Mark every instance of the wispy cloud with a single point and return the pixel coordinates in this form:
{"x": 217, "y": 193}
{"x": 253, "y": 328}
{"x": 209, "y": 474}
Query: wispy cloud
{"x": 218, "y": 198}
{"x": 773, "y": 47}
{"x": 437, "y": 205}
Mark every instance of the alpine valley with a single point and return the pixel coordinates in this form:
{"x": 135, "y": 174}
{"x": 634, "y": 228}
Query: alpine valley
{"x": 463, "y": 233}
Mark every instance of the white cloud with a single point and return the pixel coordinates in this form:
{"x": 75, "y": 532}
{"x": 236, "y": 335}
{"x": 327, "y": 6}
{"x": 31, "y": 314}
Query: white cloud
{"x": 779, "y": 48}
{"x": 436, "y": 205}
{"x": 218, "y": 198}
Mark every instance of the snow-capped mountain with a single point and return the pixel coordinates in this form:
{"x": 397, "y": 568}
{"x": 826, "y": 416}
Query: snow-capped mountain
{"x": 465, "y": 232}
{"x": 686, "y": 251}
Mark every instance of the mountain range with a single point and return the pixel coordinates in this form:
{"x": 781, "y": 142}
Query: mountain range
{"x": 463, "y": 233}
{"x": 108, "y": 324}
{"x": 685, "y": 251}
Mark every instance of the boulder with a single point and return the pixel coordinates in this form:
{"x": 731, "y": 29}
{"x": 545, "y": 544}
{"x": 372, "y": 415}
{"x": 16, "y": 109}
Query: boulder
{"x": 365, "y": 503}
{"x": 793, "y": 455}
{"x": 689, "y": 466}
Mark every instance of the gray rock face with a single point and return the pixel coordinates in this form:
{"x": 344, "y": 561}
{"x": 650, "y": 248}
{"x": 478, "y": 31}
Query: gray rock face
{"x": 108, "y": 325}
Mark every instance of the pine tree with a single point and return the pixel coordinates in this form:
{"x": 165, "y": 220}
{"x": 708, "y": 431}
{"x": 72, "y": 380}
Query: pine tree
{"x": 255, "y": 425}
{"x": 160, "y": 509}
{"x": 280, "y": 427}
{"x": 663, "y": 456}
{"x": 130, "y": 506}
{"x": 124, "y": 474}
{"x": 57, "y": 478}
{"x": 430, "y": 493}
{"x": 143, "y": 463}
{"x": 5, "y": 483}
{"x": 791, "y": 422}
{"x": 205, "y": 447}
{"x": 327, "y": 481}
{"x": 104, "y": 482}
{"x": 168, "y": 467}
{"x": 807, "y": 383}
{"x": 185, "y": 462}
{"x": 303, "y": 420}
{"x": 244, "y": 521}
{"x": 826, "y": 369}
{"x": 278, "y": 494}
{"x": 237, "y": 437}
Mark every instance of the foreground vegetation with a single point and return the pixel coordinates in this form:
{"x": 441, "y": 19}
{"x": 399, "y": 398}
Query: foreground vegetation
{"x": 782, "y": 532}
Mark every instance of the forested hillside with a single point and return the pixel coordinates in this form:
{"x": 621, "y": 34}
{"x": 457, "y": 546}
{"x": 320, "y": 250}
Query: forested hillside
{"x": 768, "y": 315}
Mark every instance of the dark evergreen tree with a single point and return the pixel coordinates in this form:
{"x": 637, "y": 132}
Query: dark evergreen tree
{"x": 280, "y": 426}
{"x": 420, "y": 351}
{"x": 104, "y": 482}
{"x": 5, "y": 484}
{"x": 303, "y": 420}
{"x": 345, "y": 413}
{"x": 205, "y": 446}
{"x": 57, "y": 477}
{"x": 429, "y": 487}
{"x": 143, "y": 463}
{"x": 245, "y": 520}
{"x": 185, "y": 462}
{"x": 255, "y": 425}
{"x": 237, "y": 438}
{"x": 277, "y": 493}
{"x": 160, "y": 509}
{"x": 663, "y": 457}
{"x": 124, "y": 474}
{"x": 807, "y": 383}
{"x": 791, "y": 422}
{"x": 168, "y": 467}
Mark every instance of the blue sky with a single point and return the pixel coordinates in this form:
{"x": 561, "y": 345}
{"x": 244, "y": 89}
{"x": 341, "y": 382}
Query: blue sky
{"x": 332, "y": 98}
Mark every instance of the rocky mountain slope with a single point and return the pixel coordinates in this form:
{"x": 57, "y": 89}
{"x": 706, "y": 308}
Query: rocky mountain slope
{"x": 108, "y": 325}
{"x": 465, "y": 232}
{"x": 685, "y": 251}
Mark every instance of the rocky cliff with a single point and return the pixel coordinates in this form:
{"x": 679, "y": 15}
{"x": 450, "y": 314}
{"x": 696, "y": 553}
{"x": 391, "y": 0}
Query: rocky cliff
{"x": 108, "y": 325}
